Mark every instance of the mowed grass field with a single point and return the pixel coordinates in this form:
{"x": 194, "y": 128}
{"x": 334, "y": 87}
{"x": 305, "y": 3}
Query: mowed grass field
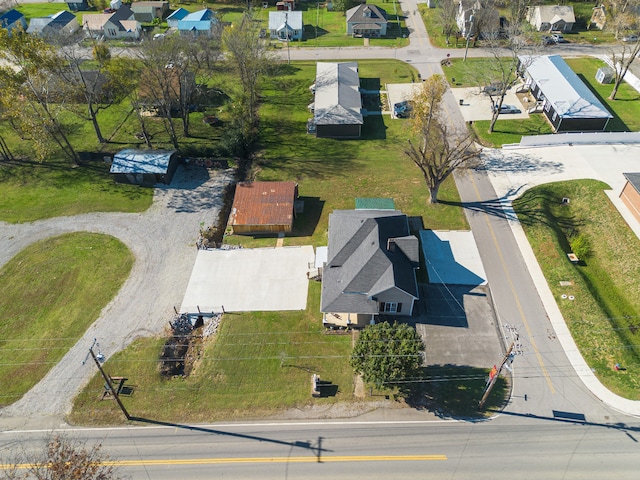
{"x": 51, "y": 293}
{"x": 604, "y": 318}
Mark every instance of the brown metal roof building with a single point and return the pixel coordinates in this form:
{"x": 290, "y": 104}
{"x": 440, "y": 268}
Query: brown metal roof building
{"x": 263, "y": 207}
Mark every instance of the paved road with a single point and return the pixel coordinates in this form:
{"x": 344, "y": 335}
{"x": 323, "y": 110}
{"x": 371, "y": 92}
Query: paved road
{"x": 510, "y": 447}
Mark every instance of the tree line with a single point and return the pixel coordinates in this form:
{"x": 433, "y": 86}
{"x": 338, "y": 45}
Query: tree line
{"x": 44, "y": 88}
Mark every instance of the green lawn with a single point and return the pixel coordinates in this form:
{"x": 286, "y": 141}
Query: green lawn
{"x": 34, "y": 10}
{"x": 257, "y": 365}
{"x": 332, "y": 173}
{"x": 51, "y": 293}
{"x": 603, "y": 319}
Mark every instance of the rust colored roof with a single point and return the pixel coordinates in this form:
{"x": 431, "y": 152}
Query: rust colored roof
{"x": 264, "y": 203}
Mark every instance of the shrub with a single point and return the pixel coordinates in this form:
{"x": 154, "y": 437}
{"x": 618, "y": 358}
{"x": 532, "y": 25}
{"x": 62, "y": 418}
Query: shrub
{"x": 580, "y": 245}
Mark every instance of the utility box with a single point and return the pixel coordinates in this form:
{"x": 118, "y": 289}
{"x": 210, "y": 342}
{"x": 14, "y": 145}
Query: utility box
{"x": 605, "y": 75}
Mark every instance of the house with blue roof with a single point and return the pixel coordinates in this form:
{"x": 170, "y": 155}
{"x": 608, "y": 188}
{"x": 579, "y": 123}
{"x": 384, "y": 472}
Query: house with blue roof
{"x": 176, "y": 16}
{"x": 144, "y": 167}
{"x": 13, "y": 19}
{"x": 63, "y": 23}
{"x": 198, "y": 23}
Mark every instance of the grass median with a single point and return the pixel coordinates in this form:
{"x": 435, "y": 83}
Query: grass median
{"x": 51, "y": 293}
{"x": 598, "y": 296}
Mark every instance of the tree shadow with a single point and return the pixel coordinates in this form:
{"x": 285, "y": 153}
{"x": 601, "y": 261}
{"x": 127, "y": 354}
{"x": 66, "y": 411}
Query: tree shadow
{"x": 454, "y": 391}
{"x": 512, "y": 162}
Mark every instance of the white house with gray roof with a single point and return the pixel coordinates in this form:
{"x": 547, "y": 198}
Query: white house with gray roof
{"x": 285, "y": 25}
{"x": 370, "y": 268}
{"x": 551, "y": 17}
{"x": 568, "y": 104}
{"x": 367, "y": 21}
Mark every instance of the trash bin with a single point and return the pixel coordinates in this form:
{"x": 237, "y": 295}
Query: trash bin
{"x": 461, "y": 101}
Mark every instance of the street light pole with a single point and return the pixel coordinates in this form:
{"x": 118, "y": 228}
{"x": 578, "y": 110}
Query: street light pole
{"x": 468, "y": 37}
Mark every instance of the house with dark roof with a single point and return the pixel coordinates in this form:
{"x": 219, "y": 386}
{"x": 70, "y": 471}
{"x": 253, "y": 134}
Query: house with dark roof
{"x": 263, "y": 207}
{"x": 285, "y": 25}
{"x": 146, "y": 12}
{"x": 338, "y": 105}
{"x": 77, "y": 5}
{"x": 568, "y": 104}
{"x": 370, "y": 268}
{"x": 630, "y": 194}
{"x": 119, "y": 24}
{"x": 144, "y": 167}
{"x": 12, "y": 19}
{"x": 63, "y": 23}
{"x": 368, "y": 21}
{"x": 545, "y": 18}
{"x": 198, "y": 23}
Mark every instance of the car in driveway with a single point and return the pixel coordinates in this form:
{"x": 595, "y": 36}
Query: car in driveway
{"x": 402, "y": 109}
{"x": 547, "y": 40}
{"x": 558, "y": 38}
{"x": 504, "y": 109}
{"x": 630, "y": 38}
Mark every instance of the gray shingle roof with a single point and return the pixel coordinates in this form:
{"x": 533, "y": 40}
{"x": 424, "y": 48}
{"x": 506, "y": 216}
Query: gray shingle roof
{"x": 367, "y": 15}
{"x": 363, "y": 262}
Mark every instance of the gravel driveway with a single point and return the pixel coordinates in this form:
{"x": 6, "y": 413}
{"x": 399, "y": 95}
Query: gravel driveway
{"x": 163, "y": 241}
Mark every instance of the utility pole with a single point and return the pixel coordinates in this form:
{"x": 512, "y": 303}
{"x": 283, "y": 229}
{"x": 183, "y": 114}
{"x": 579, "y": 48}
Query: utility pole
{"x": 107, "y": 380}
{"x": 493, "y": 376}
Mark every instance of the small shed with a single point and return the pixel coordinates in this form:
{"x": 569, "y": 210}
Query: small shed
{"x": 375, "y": 204}
{"x": 630, "y": 194}
{"x": 148, "y": 11}
{"x": 144, "y": 167}
{"x": 605, "y": 75}
{"x": 263, "y": 207}
{"x": 176, "y": 16}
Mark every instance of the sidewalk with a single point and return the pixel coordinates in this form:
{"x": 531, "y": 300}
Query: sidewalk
{"x": 574, "y": 167}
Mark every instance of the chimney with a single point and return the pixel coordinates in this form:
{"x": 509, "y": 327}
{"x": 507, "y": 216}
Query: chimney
{"x": 391, "y": 245}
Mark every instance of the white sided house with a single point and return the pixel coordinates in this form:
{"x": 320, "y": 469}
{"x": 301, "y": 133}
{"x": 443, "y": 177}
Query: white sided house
{"x": 285, "y": 25}
{"x": 547, "y": 18}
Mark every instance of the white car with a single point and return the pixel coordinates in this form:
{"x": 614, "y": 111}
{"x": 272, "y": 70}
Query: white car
{"x": 556, "y": 37}
{"x": 630, "y": 38}
{"x": 507, "y": 109}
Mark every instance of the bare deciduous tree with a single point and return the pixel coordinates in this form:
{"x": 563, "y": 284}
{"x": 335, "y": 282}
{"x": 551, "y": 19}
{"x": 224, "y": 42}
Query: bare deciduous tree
{"x": 440, "y": 151}
{"x": 622, "y": 58}
{"x": 62, "y": 459}
{"x": 30, "y": 96}
{"x": 447, "y": 18}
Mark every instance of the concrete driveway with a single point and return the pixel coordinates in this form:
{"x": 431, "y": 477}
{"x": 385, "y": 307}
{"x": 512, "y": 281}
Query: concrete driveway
{"x": 515, "y": 169}
{"x": 452, "y": 258}
{"x": 476, "y": 105}
{"x": 397, "y": 92}
{"x": 246, "y": 280}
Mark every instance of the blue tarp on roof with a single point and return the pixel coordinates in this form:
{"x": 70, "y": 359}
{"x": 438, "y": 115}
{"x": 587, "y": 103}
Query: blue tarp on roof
{"x": 141, "y": 161}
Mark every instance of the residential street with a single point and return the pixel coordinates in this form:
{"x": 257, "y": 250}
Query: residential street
{"x": 553, "y": 425}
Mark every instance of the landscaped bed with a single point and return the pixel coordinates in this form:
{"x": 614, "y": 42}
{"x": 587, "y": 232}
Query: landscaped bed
{"x": 598, "y": 296}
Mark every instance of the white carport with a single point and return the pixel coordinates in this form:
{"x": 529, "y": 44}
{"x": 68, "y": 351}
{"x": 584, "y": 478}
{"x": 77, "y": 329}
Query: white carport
{"x": 260, "y": 279}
